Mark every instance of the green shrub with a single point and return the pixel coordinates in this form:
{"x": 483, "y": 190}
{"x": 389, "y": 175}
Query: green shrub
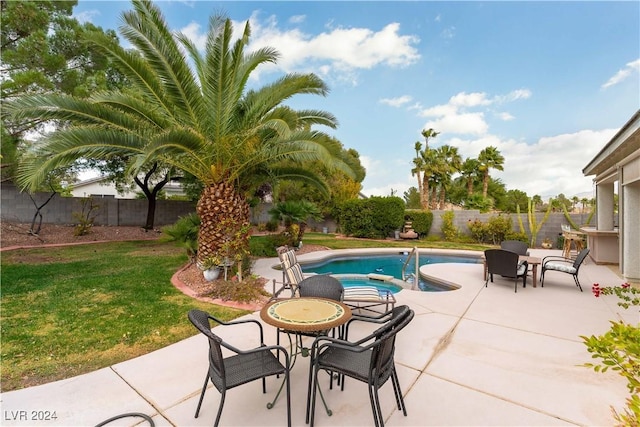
{"x": 271, "y": 226}
{"x": 449, "y": 230}
{"x": 185, "y": 233}
{"x": 265, "y": 246}
{"x": 498, "y": 228}
{"x": 479, "y": 230}
{"x": 421, "y": 221}
{"x": 375, "y": 217}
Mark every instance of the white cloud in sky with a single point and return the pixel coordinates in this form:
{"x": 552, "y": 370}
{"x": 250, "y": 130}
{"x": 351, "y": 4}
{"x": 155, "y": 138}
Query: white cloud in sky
{"x": 86, "y": 16}
{"x": 630, "y": 69}
{"x": 396, "y": 102}
{"x": 505, "y": 116}
{"x": 338, "y": 52}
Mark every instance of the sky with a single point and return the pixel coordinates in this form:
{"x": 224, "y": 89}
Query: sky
{"x": 547, "y": 83}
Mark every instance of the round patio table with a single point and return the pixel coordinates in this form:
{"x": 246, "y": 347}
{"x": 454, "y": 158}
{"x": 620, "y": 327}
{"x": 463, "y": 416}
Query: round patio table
{"x": 305, "y": 314}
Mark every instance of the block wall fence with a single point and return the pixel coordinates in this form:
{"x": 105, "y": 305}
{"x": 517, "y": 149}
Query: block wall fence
{"x": 18, "y": 207}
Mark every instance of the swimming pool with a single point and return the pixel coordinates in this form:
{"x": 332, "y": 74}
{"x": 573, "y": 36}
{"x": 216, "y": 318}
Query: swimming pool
{"x": 385, "y": 264}
{"x": 348, "y": 280}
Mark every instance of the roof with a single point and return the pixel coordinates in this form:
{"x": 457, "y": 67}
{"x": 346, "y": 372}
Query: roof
{"x": 622, "y": 145}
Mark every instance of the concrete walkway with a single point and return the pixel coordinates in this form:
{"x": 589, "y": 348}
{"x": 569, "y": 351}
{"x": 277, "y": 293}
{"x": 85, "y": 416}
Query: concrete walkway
{"x": 475, "y": 357}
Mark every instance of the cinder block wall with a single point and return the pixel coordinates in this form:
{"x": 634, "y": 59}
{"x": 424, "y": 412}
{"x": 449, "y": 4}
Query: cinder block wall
{"x": 18, "y": 207}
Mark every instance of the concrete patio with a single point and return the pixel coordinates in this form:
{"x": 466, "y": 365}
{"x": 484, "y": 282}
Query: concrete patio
{"x": 475, "y": 357}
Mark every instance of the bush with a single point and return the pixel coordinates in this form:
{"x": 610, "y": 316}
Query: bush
{"x": 449, "y": 230}
{"x": 249, "y": 290}
{"x": 375, "y": 217}
{"x": 271, "y": 226}
{"x": 421, "y": 221}
{"x": 265, "y": 246}
{"x": 495, "y": 230}
{"x": 185, "y": 233}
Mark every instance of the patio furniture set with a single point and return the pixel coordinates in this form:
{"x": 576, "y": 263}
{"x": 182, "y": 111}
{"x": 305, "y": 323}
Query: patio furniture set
{"x": 320, "y": 307}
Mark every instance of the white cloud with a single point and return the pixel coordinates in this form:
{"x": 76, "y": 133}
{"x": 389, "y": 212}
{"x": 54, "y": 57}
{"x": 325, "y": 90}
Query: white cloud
{"x": 297, "y": 19}
{"x": 396, "y": 102}
{"x": 505, "y": 116}
{"x": 548, "y": 167}
{"x": 465, "y": 123}
{"x": 86, "y": 16}
{"x": 448, "y": 33}
{"x": 339, "y": 52}
{"x": 623, "y": 74}
{"x": 464, "y": 99}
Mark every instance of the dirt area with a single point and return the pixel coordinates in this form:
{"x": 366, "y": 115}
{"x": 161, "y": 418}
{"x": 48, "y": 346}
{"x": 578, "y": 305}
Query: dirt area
{"x": 17, "y": 235}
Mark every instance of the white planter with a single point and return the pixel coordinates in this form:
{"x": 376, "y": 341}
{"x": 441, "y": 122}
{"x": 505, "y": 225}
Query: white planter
{"x": 211, "y": 274}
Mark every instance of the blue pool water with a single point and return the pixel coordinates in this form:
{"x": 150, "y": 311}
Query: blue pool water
{"x": 364, "y": 281}
{"x": 390, "y": 265}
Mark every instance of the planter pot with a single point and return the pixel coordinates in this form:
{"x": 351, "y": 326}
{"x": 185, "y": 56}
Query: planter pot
{"x": 211, "y": 274}
{"x": 546, "y": 245}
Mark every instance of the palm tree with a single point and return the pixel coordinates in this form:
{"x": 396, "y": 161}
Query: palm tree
{"x": 194, "y": 111}
{"x": 425, "y": 163}
{"x": 469, "y": 171}
{"x": 418, "y": 166}
{"x": 489, "y": 158}
{"x": 450, "y": 162}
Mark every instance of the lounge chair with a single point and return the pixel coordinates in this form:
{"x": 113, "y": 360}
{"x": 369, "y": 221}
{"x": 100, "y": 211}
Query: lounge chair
{"x": 357, "y": 297}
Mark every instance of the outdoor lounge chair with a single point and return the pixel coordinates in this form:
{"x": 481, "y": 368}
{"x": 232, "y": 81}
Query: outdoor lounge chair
{"x": 242, "y": 367}
{"x": 369, "y": 360}
{"x": 505, "y": 263}
{"x": 564, "y": 265}
{"x": 521, "y": 248}
{"x": 356, "y": 297}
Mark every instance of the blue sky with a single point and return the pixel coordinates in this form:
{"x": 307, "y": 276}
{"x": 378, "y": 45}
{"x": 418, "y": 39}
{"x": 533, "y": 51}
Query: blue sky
{"x": 547, "y": 83}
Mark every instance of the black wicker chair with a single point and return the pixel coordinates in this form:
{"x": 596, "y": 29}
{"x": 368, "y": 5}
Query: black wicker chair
{"x": 369, "y": 360}
{"x": 564, "y": 265}
{"x": 521, "y": 248}
{"x": 505, "y": 263}
{"x": 244, "y": 366}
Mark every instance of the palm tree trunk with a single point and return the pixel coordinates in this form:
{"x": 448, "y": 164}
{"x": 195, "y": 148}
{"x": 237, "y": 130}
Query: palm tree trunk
{"x": 219, "y": 205}
{"x": 469, "y": 186}
{"x": 424, "y": 196}
{"x": 485, "y": 184}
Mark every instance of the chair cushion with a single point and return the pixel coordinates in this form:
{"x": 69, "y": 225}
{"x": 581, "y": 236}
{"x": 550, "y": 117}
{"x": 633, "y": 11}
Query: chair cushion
{"x": 362, "y": 293}
{"x": 294, "y": 274}
{"x": 558, "y": 266}
{"x": 288, "y": 259}
{"x": 522, "y": 269}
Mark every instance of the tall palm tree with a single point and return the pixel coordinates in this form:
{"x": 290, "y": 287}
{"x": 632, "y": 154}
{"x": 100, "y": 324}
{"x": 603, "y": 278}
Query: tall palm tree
{"x": 450, "y": 162}
{"x": 489, "y": 158}
{"x": 195, "y": 112}
{"x": 469, "y": 171}
{"x": 425, "y": 163}
{"x": 418, "y": 165}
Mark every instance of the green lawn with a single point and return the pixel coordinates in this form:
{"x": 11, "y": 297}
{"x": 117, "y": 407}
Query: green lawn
{"x": 67, "y": 311}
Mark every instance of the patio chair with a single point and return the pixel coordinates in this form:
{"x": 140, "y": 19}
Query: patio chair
{"x": 356, "y": 297}
{"x": 506, "y": 264}
{"x": 521, "y": 248}
{"x": 243, "y": 366}
{"x": 564, "y": 265}
{"x": 369, "y": 360}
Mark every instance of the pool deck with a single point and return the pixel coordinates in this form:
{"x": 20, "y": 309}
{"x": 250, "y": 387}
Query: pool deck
{"x": 476, "y": 356}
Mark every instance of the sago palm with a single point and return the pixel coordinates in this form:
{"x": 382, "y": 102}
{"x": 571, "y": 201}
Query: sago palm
{"x": 193, "y": 111}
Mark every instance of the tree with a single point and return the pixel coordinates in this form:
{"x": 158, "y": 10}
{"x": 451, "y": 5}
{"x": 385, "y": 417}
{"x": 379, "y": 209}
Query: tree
{"x": 448, "y": 162}
{"x": 489, "y": 158}
{"x": 514, "y": 199}
{"x": 412, "y": 198}
{"x": 469, "y": 171}
{"x": 424, "y": 164}
{"x": 193, "y": 111}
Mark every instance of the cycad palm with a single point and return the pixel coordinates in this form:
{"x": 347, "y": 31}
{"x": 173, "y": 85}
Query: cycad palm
{"x": 199, "y": 118}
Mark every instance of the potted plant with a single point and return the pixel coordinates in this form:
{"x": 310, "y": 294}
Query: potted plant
{"x": 211, "y": 268}
{"x": 547, "y": 243}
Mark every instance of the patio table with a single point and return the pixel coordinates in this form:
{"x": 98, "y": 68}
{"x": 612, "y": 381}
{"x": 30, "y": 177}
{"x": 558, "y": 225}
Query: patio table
{"x": 303, "y": 315}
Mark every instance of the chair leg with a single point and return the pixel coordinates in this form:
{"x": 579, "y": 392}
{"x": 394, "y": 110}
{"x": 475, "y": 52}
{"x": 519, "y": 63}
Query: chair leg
{"x": 542, "y": 279}
{"x": 222, "y": 396}
{"x": 575, "y": 278}
{"x": 287, "y": 379}
{"x": 204, "y": 389}
{"x": 377, "y": 412}
{"x": 398, "y": 391}
{"x": 313, "y": 396}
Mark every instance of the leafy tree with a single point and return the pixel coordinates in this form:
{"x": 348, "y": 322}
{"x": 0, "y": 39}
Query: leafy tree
{"x": 294, "y": 216}
{"x": 448, "y": 162}
{"x": 489, "y": 158}
{"x": 193, "y": 111}
{"x": 514, "y": 199}
{"x": 412, "y": 198}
